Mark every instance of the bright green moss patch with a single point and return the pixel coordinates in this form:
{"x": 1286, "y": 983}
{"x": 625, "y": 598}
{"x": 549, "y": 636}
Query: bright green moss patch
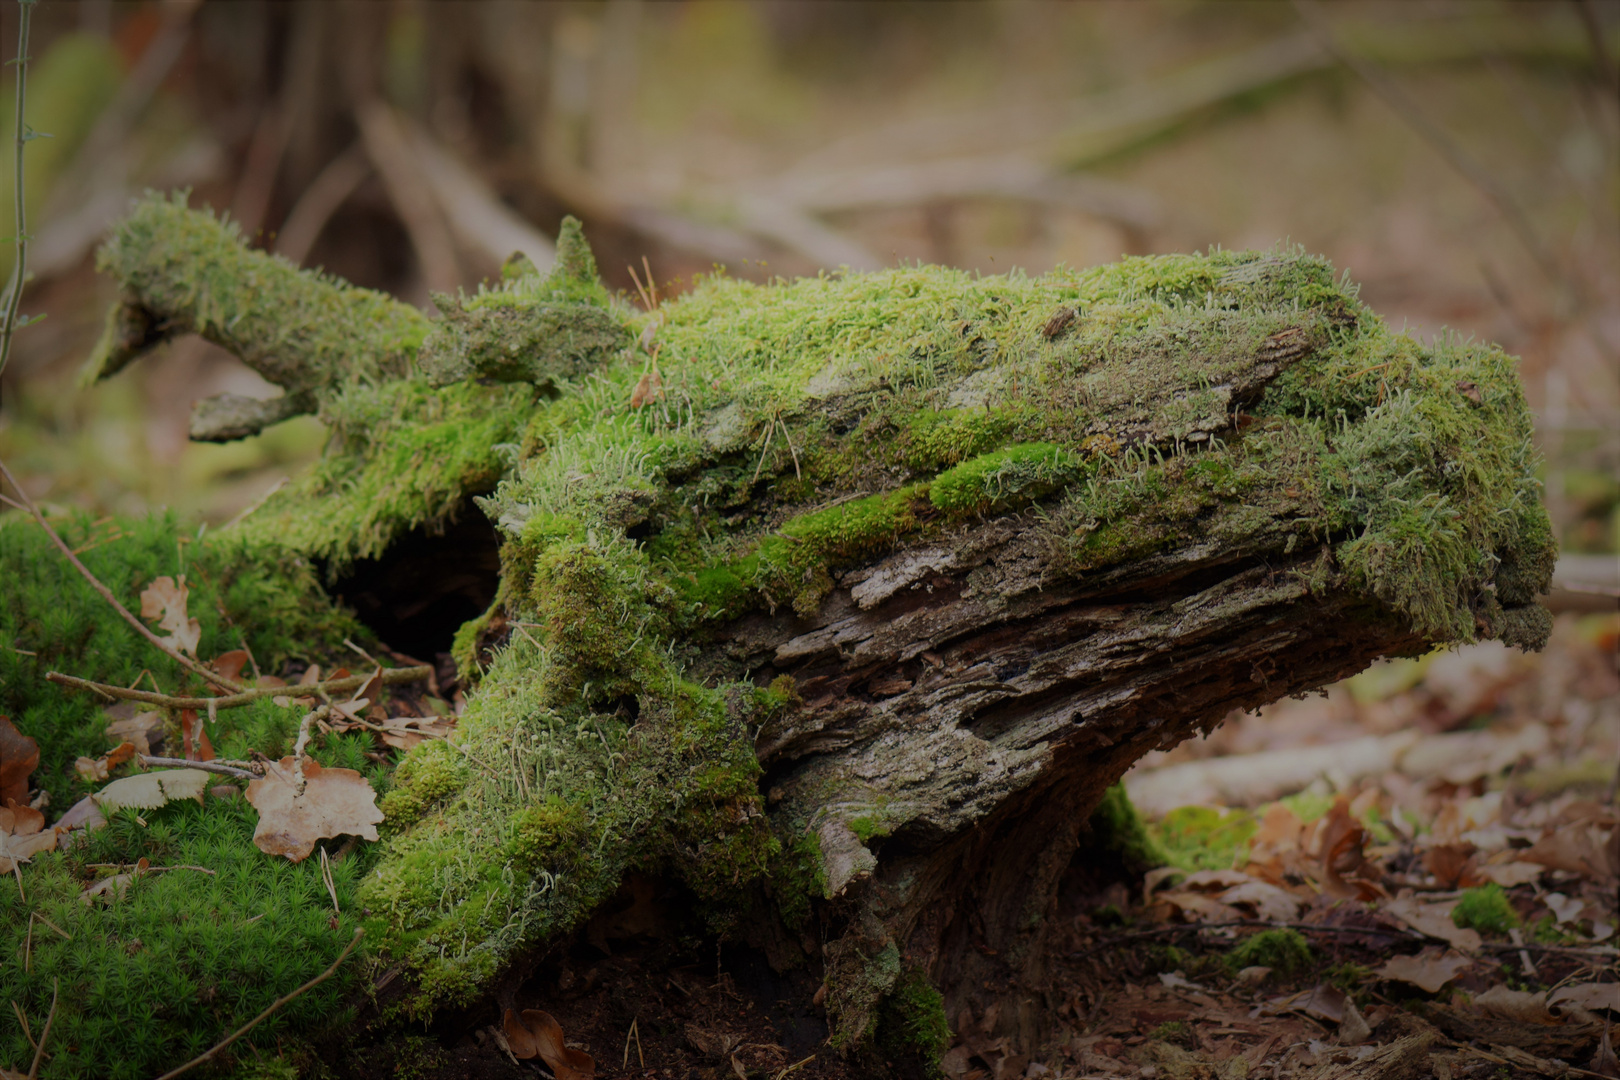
{"x": 1006, "y": 478}
{"x": 1487, "y": 909}
{"x": 183, "y": 957}
{"x": 1203, "y": 837}
{"x": 581, "y": 796}
{"x": 52, "y": 620}
{"x": 1284, "y": 951}
{"x": 304, "y": 331}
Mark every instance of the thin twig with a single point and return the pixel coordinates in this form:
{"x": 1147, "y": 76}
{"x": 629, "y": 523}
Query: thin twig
{"x": 1442, "y": 142}
{"x": 22, "y": 1019}
{"x": 106, "y": 594}
{"x": 304, "y": 725}
{"x": 390, "y": 676}
{"x": 1355, "y": 931}
{"x": 19, "y": 278}
{"x": 205, "y": 766}
{"x": 44, "y": 1035}
{"x": 274, "y": 1005}
{"x": 1189, "y": 928}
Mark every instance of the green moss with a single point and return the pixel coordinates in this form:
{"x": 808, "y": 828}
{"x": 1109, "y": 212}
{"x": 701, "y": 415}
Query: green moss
{"x": 302, "y": 330}
{"x": 1173, "y": 1031}
{"x": 912, "y": 1023}
{"x": 183, "y": 958}
{"x": 1487, "y": 909}
{"x": 799, "y": 878}
{"x": 1119, "y": 828}
{"x": 939, "y": 440}
{"x": 1285, "y": 951}
{"x": 51, "y": 619}
{"x": 1003, "y": 479}
{"x": 1204, "y": 838}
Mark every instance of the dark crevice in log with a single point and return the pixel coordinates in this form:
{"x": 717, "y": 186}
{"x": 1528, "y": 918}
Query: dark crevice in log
{"x": 418, "y": 592}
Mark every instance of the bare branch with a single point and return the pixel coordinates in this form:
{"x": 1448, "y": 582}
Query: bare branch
{"x": 390, "y": 677}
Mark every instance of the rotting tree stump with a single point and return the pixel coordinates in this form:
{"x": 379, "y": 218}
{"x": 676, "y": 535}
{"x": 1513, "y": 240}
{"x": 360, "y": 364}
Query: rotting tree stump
{"x": 841, "y": 602}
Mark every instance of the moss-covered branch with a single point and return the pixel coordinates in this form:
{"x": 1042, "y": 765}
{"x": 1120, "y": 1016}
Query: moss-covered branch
{"x": 183, "y": 271}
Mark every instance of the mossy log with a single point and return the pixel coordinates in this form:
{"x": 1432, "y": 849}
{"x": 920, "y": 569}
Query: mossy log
{"x": 842, "y": 601}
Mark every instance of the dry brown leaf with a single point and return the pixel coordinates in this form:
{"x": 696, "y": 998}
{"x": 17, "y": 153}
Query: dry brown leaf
{"x": 1509, "y": 874}
{"x": 1583, "y": 847}
{"x": 650, "y": 387}
{"x": 22, "y": 836}
{"x": 140, "y": 730}
{"x": 537, "y": 1034}
{"x": 1452, "y": 865}
{"x": 1434, "y": 920}
{"x": 195, "y": 737}
{"x": 230, "y": 664}
{"x": 85, "y": 814}
{"x": 1592, "y": 996}
{"x": 1269, "y": 902}
{"x": 115, "y": 886}
{"x": 1275, "y": 850}
{"x": 1214, "y": 880}
{"x": 19, "y": 756}
{"x": 1325, "y": 1002}
{"x": 164, "y": 601}
{"x": 1520, "y": 1005}
{"x": 1337, "y": 842}
{"x": 333, "y": 802}
{"x": 1198, "y": 906}
{"x": 94, "y": 769}
{"x": 1429, "y": 970}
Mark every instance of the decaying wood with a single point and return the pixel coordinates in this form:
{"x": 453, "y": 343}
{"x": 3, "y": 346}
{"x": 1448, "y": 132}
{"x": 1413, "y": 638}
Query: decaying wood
{"x": 920, "y": 686}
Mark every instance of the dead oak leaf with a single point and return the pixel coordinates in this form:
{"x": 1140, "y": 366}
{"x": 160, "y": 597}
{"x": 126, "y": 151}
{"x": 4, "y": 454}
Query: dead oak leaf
{"x": 332, "y": 802}
{"x": 140, "y": 730}
{"x": 1429, "y": 970}
{"x": 230, "y": 664}
{"x": 22, "y": 836}
{"x": 19, "y": 756}
{"x": 537, "y": 1034}
{"x": 1434, "y": 920}
{"x": 94, "y": 769}
{"x": 164, "y": 601}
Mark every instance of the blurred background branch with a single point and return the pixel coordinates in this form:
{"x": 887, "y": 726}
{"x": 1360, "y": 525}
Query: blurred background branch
{"x": 412, "y": 147}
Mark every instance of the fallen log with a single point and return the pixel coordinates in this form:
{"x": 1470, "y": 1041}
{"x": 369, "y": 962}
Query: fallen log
{"x": 841, "y": 602}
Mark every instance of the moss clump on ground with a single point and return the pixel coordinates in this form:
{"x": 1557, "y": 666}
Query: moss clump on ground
{"x": 1117, "y": 827}
{"x": 1487, "y": 909}
{"x": 52, "y": 620}
{"x": 1284, "y": 951}
{"x": 911, "y": 1022}
{"x": 660, "y": 474}
{"x": 1204, "y": 837}
{"x": 183, "y": 957}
